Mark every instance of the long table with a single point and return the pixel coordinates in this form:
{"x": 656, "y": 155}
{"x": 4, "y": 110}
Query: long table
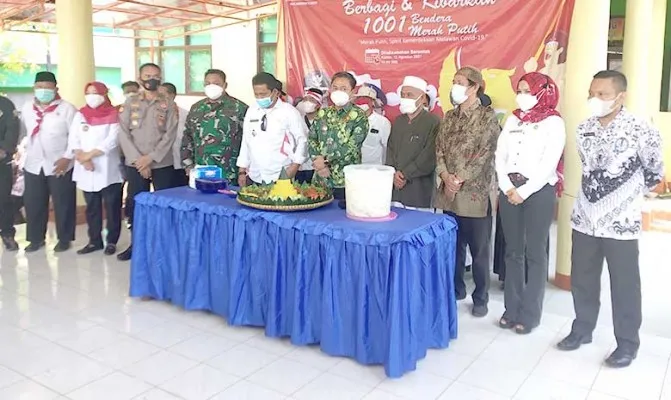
{"x": 380, "y": 293}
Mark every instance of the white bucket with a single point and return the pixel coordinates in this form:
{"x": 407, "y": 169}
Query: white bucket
{"x": 368, "y": 189}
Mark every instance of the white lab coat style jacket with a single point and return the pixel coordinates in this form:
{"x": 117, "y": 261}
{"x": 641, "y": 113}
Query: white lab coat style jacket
{"x": 106, "y": 170}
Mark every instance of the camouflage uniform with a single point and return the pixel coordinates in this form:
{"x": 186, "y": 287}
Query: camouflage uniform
{"x": 213, "y": 134}
{"x": 337, "y": 135}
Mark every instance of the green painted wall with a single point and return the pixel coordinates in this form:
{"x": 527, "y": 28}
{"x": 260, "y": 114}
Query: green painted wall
{"x": 110, "y": 76}
{"x": 618, "y": 8}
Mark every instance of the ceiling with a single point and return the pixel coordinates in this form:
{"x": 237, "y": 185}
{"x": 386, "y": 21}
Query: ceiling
{"x": 137, "y": 15}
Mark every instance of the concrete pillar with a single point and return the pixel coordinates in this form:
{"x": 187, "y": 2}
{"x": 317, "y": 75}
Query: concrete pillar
{"x": 639, "y": 46}
{"x": 656, "y": 57}
{"x": 76, "y": 66}
{"x": 587, "y": 54}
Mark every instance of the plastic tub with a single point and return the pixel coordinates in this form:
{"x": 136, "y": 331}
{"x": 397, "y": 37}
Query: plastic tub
{"x": 368, "y": 190}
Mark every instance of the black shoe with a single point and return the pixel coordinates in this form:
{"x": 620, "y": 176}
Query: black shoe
{"x": 61, "y": 247}
{"x": 573, "y": 342}
{"x": 460, "y": 296}
{"x": 126, "y": 255}
{"x": 480, "y": 311}
{"x": 33, "y": 247}
{"x": 621, "y": 358}
{"x": 523, "y": 329}
{"x": 90, "y": 248}
{"x": 505, "y": 323}
{"x": 110, "y": 249}
{"x": 10, "y": 243}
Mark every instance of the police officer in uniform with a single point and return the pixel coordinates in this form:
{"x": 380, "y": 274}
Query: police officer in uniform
{"x": 148, "y": 130}
{"x": 9, "y": 137}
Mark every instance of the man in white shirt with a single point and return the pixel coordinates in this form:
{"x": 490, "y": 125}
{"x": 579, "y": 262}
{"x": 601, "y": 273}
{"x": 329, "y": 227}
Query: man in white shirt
{"x": 309, "y": 105}
{"x": 621, "y": 162}
{"x": 170, "y": 91}
{"x": 374, "y": 147}
{"x": 48, "y": 165}
{"x": 274, "y": 135}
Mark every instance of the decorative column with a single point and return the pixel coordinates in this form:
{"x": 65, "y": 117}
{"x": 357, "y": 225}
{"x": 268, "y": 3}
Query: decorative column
{"x": 587, "y": 54}
{"x": 76, "y": 66}
{"x": 639, "y": 47}
{"x": 655, "y": 59}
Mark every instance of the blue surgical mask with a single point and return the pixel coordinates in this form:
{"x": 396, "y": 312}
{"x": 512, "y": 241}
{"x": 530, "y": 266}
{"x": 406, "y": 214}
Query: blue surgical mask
{"x": 45, "y": 96}
{"x": 265, "y": 102}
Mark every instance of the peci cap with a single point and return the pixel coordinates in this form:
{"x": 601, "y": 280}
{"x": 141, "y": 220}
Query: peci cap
{"x": 415, "y": 82}
{"x": 45, "y": 76}
{"x": 315, "y": 94}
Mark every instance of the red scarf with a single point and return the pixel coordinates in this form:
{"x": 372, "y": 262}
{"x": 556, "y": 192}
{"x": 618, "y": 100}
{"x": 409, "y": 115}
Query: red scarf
{"x": 105, "y": 113}
{"x": 547, "y": 93}
{"x": 40, "y": 113}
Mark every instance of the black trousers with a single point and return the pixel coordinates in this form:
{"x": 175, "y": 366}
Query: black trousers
{"x": 110, "y": 197}
{"x": 304, "y": 176}
{"x": 6, "y": 206}
{"x": 161, "y": 178}
{"x": 179, "y": 178}
{"x": 526, "y": 228}
{"x": 39, "y": 188}
{"x": 473, "y": 233}
{"x": 587, "y": 258}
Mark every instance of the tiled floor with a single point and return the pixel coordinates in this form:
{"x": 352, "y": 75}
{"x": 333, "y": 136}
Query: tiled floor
{"x": 69, "y": 331}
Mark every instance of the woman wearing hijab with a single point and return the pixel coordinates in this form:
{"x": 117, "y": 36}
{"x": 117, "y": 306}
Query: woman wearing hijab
{"x": 527, "y": 157}
{"x": 93, "y": 141}
{"x": 465, "y": 149}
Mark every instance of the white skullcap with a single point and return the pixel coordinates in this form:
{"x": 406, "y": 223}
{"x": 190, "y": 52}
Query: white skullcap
{"x": 415, "y": 82}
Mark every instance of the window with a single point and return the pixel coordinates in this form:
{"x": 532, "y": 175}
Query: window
{"x": 267, "y": 44}
{"x": 183, "y": 57}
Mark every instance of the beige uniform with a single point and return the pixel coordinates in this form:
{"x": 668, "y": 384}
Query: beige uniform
{"x": 149, "y": 127}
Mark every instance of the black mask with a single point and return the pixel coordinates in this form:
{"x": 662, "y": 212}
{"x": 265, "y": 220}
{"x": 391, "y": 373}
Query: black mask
{"x": 151, "y": 84}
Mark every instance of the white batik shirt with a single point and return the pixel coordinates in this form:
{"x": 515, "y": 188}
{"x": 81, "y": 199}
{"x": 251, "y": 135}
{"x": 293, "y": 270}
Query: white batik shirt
{"x": 620, "y": 164}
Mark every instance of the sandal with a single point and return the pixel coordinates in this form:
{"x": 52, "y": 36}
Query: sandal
{"x": 522, "y": 329}
{"x": 506, "y": 324}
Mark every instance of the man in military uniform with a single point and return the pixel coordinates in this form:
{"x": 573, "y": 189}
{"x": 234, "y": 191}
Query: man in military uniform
{"x": 9, "y": 137}
{"x": 148, "y": 130}
{"x": 213, "y": 130}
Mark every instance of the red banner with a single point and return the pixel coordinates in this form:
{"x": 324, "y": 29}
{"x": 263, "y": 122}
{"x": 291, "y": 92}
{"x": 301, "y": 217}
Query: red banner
{"x": 381, "y": 41}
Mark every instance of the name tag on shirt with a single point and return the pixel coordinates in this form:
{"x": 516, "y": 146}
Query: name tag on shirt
{"x": 517, "y": 131}
{"x": 414, "y": 137}
{"x": 253, "y": 120}
{"x": 374, "y": 131}
{"x": 589, "y": 134}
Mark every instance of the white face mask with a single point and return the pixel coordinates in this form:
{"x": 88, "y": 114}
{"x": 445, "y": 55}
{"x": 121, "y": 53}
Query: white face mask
{"x": 458, "y": 93}
{"x": 306, "y": 107}
{"x": 364, "y": 107}
{"x": 526, "y": 101}
{"x": 408, "y": 106}
{"x": 213, "y": 92}
{"x": 600, "y": 108}
{"x": 339, "y": 98}
{"x": 94, "y": 100}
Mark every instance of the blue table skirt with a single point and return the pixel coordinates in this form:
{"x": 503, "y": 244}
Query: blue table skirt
{"x": 381, "y": 293}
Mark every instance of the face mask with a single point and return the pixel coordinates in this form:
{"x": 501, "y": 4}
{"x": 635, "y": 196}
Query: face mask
{"x": 526, "y": 101}
{"x": 306, "y": 107}
{"x": 364, "y": 107}
{"x": 339, "y": 98}
{"x": 458, "y": 94}
{"x": 265, "y": 102}
{"x": 213, "y": 92}
{"x": 601, "y": 108}
{"x": 45, "y": 96}
{"x": 130, "y": 95}
{"x": 94, "y": 100}
{"x": 151, "y": 84}
{"x": 408, "y": 106}
{"x": 426, "y": 108}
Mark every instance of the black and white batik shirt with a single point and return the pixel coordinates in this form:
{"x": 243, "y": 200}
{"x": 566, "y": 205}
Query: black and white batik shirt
{"x": 620, "y": 164}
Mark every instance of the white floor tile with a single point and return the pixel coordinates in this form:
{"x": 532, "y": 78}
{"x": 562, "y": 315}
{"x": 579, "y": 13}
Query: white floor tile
{"x": 124, "y": 352}
{"x": 332, "y": 387}
{"x": 417, "y": 384}
{"x": 156, "y": 394}
{"x": 242, "y": 360}
{"x": 313, "y": 357}
{"x": 648, "y": 372}
{"x": 160, "y": 367}
{"x": 28, "y": 390}
{"x": 203, "y": 346}
{"x": 369, "y": 375}
{"x": 284, "y": 376}
{"x": 594, "y": 395}
{"x": 445, "y": 363}
{"x": 167, "y": 334}
{"x": 116, "y": 386}
{"x": 536, "y": 388}
{"x": 568, "y": 367}
{"x": 495, "y": 378}
{"x": 9, "y": 377}
{"x": 199, "y": 383}
{"x": 378, "y": 394}
{"x": 278, "y": 347}
{"x": 92, "y": 339}
{"x": 71, "y": 373}
{"x": 462, "y": 391}
{"x": 244, "y": 390}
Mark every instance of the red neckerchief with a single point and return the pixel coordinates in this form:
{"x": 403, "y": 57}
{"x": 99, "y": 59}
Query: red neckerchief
{"x": 41, "y": 113}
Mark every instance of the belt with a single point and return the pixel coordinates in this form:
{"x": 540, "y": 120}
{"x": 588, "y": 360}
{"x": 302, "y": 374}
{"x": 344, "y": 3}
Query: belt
{"x": 517, "y": 179}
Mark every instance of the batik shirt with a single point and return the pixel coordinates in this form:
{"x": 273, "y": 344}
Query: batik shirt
{"x": 620, "y": 164}
{"x": 213, "y": 134}
{"x": 337, "y": 135}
